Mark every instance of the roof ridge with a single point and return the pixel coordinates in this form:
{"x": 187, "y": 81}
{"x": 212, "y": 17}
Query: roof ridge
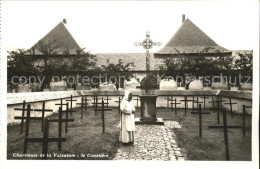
{"x": 189, "y": 38}
{"x": 61, "y": 38}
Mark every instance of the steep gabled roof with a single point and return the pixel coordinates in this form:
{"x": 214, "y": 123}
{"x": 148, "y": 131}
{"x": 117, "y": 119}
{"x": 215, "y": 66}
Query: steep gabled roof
{"x": 59, "y": 39}
{"x": 189, "y": 39}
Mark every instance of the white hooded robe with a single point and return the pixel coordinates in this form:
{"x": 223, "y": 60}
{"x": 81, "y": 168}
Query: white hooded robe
{"x": 127, "y": 125}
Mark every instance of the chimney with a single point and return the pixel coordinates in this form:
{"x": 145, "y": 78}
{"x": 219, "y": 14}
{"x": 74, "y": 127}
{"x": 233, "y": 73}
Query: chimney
{"x": 64, "y": 21}
{"x": 183, "y": 18}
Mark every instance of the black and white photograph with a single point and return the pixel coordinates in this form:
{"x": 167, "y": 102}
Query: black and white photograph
{"x": 168, "y": 84}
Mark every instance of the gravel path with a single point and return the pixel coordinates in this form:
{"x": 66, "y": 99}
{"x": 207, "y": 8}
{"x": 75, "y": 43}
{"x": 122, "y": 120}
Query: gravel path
{"x": 152, "y": 142}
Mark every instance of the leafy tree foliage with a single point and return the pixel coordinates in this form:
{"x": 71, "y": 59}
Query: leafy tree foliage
{"x": 116, "y": 73}
{"x": 51, "y": 62}
{"x": 244, "y": 63}
{"x": 197, "y": 66}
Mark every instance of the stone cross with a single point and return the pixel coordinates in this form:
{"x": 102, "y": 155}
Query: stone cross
{"x": 147, "y": 44}
{"x": 149, "y": 84}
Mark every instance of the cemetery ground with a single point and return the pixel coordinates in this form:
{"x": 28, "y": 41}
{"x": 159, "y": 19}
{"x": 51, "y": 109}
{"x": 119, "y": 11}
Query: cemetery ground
{"x": 85, "y": 136}
{"x": 211, "y": 145}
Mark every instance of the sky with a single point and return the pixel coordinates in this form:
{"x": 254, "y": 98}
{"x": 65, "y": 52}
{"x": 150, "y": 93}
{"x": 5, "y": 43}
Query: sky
{"x": 114, "y": 27}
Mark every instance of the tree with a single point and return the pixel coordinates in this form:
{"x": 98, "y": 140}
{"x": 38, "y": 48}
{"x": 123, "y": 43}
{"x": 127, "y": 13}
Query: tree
{"x": 83, "y": 62}
{"x": 18, "y": 61}
{"x": 57, "y": 62}
{"x": 52, "y": 61}
{"x": 244, "y": 63}
{"x": 19, "y": 65}
{"x": 114, "y": 72}
{"x": 198, "y": 66}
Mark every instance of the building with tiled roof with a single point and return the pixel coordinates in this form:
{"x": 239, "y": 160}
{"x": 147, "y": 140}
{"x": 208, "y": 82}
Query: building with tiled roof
{"x": 59, "y": 40}
{"x": 190, "y": 40}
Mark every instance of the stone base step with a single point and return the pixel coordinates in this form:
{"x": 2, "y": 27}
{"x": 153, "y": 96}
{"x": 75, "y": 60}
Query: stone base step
{"x": 159, "y": 121}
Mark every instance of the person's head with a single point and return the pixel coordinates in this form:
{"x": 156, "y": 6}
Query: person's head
{"x": 130, "y": 97}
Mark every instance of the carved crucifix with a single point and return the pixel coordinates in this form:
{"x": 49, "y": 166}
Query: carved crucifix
{"x": 147, "y": 44}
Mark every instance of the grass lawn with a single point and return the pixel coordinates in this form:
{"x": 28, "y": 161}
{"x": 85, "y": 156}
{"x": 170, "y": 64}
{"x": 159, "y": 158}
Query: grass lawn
{"x": 211, "y": 145}
{"x": 84, "y": 136}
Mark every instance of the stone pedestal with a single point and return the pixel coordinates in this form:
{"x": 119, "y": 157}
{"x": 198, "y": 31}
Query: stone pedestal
{"x": 148, "y": 111}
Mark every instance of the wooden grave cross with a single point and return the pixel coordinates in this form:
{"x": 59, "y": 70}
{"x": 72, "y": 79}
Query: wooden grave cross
{"x": 230, "y": 104}
{"x": 67, "y": 117}
{"x": 218, "y": 110}
{"x": 185, "y": 103}
{"x": 244, "y": 114}
{"x": 200, "y": 118}
{"x": 171, "y": 102}
{"x": 43, "y": 110}
{"x": 221, "y": 102}
{"x": 45, "y": 140}
{"x": 95, "y": 98}
{"x": 86, "y": 101}
{"x": 27, "y": 124}
{"x": 23, "y": 112}
{"x": 107, "y": 99}
{"x": 83, "y": 104}
{"x": 96, "y": 103}
{"x": 61, "y": 104}
{"x": 213, "y": 104}
{"x": 225, "y": 127}
{"x": 197, "y": 102}
{"x": 71, "y": 102}
{"x": 60, "y": 120}
{"x": 219, "y": 107}
{"x": 175, "y": 105}
{"x": 204, "y": 100}
{"x": 103, "y": 109}
{"x": 119, "y": 101}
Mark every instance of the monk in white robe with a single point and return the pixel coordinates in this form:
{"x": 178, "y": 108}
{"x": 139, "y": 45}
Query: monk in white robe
{"x": 127, "y": 123}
